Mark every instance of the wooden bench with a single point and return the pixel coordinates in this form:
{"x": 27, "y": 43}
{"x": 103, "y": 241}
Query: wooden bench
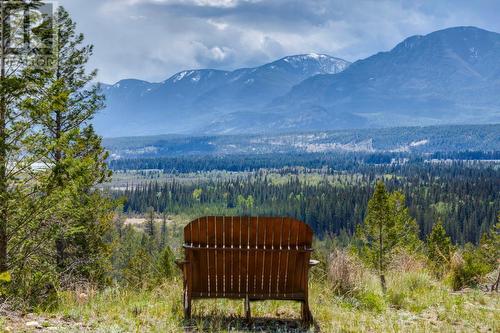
{"x": 250, "y": 258}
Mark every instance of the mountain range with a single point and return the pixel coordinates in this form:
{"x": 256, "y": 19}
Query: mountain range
{"x": 451, "y": 76}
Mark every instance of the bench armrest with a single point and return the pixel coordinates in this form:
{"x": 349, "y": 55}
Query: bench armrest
{"x": 181, "y": 263}
{"x": 313, "y": 262}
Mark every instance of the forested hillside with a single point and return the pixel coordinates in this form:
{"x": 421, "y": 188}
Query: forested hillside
{"x": 331, "y": 198}
{"x": 433, "y": 139}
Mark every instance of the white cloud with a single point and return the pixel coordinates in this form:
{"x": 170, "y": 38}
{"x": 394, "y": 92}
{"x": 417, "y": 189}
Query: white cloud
{"x": 153, "y": 39}
{"x": 217, "y": 3}
{"x": 218, "y": 24}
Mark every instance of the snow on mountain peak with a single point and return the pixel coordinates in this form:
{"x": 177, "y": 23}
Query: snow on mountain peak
{"x": 323, "y": 63}
{"x": 315, "y": 56}
{"x": 182, "y": 75}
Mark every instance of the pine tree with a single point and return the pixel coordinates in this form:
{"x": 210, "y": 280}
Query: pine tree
{"x": 21, "y": 202}
{"x": 149, "y": 240}
{"x": 387, "y": 226}
{"x": 165, "y": 264}
{"x": 150, "y": 223}
{"x": 439, "y": 248}
{"x": 163, "y": 231}
{"x": 74, "y": 152}
{"x": 137, "y": 270}
{"x": 489, "y": 248}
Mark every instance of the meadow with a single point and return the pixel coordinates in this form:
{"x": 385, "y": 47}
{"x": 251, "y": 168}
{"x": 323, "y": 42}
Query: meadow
{"x": 345, "y": 296}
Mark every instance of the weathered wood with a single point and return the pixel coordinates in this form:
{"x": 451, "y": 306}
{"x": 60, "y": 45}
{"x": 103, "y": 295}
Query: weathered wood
{"x": 253, "y": 258}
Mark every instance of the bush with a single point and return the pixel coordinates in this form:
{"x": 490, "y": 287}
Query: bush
{"x": 34, "y": 289}
{"x": 345, "y": 273}
{"x": 439, "y": 250}
{"x": 137, "y": 272}
{"x": 412, "y": 291}
{"x": 165, "y": 264}
{"x": 370, "y": 300}
{"x": 5, "y": 279}
{"x": 467, "y": 268}
{"x": 405, "y": 262}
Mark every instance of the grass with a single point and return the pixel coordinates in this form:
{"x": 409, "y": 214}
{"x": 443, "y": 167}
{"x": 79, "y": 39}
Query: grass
{"x": 414, "y": 303}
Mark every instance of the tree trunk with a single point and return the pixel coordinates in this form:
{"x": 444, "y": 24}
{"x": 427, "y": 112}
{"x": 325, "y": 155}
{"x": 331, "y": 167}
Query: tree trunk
{"x": 494, "y": 286}
{"x": 380, "y": 260}
{"x": 60, "y": 239}
{"x": 3, "y": 151}
{"x": 382, "y": 283}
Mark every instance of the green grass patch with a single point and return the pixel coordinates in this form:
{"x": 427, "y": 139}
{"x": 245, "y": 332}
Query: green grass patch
{"x": 414, "y": 303}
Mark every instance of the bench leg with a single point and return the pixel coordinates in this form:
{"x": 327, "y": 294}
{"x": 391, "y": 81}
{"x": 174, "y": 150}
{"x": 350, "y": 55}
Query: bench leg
{"x": 247, "y": 309}
{"x": 187, "y": 304}
{"x": 307, "y": 317}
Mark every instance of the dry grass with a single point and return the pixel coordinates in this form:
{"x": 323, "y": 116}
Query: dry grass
{"x": 402, "y": 261}
{"x": 345, "y": 273}
{"x": 424, "y": 306}
{"x": 349, "y": 300}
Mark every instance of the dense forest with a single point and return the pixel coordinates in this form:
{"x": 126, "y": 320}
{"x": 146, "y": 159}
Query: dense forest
{"x": 464, "y": 195}
{"x": 345, "y": 161}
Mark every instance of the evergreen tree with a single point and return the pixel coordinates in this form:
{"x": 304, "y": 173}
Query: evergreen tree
{"x": 22, "y": 202}
{"x": 489, "y": 248}
{"x": 439, "y": 248}
{"x": 150, "y": 223}
{"x": 386, "y": 227}
{"x": 163, "y": 231}
{"x": 137, "y": 270}
{"x": 74, "y": 152}
{"x": 165, "y": 264}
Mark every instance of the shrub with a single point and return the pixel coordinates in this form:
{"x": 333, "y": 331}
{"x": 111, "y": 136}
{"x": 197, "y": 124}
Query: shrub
{"x": 397, "y": 298}
{"x": 5, "y": 279}
{"x": 467, "y": 268}
{"x": 345, "y": 272}
{"x": 165, "y": 264}
{"x": 439, "y": 249}
{"x": 137, "y": 272}
{"x": 403, "y": 261}
{"x": 370, "y": 300}
{"x": 412, "y": 291}
{"x": 35, "y": 289}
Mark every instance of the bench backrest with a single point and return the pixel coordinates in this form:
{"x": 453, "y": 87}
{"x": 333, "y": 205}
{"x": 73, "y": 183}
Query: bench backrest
{"x": 259, "y": 257}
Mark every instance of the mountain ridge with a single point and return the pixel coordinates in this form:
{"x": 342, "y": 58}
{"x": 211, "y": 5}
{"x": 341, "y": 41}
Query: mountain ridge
{"x": 450, "y": 76}
{"x": 192, "y": 98}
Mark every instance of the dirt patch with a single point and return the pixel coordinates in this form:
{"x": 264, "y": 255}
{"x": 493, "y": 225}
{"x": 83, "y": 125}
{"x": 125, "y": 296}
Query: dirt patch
{"x": 13, "y": 321}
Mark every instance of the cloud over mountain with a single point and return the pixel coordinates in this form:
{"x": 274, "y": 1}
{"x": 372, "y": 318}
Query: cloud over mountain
{"x": 153, "y": 39}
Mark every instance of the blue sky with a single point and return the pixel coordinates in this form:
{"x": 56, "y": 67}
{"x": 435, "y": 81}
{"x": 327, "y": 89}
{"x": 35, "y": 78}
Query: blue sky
{"x": 153, "y": 39}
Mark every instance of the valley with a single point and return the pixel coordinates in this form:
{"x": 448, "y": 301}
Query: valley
{"x": 433, "y": 139}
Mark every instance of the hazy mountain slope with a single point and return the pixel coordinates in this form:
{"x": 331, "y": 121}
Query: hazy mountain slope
{"x": 191, "y": 99}
{"x": 404, "y": 139}
{"x": 449, "y": 76}
{"x": 249, "y": 88}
